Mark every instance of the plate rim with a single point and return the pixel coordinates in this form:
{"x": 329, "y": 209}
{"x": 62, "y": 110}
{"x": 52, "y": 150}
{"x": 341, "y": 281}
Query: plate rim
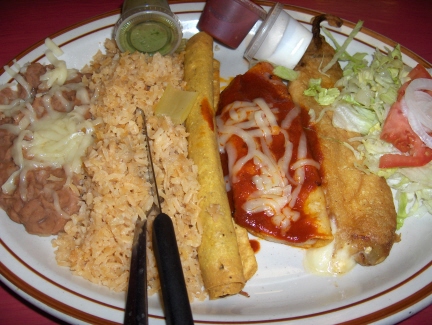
{"x": 410, "y": 301}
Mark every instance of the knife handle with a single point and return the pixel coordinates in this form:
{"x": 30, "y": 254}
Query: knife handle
{"x": 174, "y": 294}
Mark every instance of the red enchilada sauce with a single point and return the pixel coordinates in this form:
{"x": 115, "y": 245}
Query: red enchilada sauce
{"x": 265, "y": 157}
{"x": 207, "y": 114}
{"x": 255, "y": 245}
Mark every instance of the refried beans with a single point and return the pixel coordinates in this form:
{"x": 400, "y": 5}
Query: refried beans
{"x": 36, "y": 191}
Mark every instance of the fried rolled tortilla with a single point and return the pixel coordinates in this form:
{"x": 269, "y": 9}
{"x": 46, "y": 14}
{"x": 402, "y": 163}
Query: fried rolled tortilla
{"x": 274, "y": 182}
{"x": 360, "y": 204}
{"x": 221, "y": 250}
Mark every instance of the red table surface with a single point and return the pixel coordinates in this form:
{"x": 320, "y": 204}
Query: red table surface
{"x": 25, "y": 22}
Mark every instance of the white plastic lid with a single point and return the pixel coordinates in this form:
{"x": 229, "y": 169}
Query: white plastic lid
{"x": 280, "y": 39}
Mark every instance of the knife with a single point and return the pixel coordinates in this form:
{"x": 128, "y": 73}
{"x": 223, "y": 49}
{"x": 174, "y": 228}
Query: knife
{"x": 136, "y": 310}
{"x": 173, "y": 286}
{"x": 136, "y": 301}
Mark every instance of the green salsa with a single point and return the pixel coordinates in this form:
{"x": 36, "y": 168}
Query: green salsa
{"x": 149, "y": 36}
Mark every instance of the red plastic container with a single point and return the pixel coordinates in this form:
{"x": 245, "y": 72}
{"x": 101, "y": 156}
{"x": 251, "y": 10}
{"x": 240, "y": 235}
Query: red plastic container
{"x": 229, "y": 21}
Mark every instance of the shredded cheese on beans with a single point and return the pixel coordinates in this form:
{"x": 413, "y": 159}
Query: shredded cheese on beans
{"x": 55, "y": 140}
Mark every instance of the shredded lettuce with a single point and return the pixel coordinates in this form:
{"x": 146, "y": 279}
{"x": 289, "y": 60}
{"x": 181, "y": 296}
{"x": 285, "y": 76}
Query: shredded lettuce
{"x": 354, "y": 118}
{"x": 402, "y": 213}
{"x": 341, "y": 53}
{"x": 414, "y": 199}
{"x": 285, "y": 73}
{"x": 324, "y": 96}
{"x": 367, "y": 91}
{"x": 371, "y": 88}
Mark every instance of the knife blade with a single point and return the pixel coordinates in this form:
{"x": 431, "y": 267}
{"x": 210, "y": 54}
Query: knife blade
{"x": 136, "y": 311}
{"x": 177, "y": 308}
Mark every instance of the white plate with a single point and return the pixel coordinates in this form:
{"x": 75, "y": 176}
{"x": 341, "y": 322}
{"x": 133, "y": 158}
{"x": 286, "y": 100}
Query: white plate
{"x": 281, "y": 291}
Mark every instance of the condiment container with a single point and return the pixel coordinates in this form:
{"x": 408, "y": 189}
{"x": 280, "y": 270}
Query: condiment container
{"x": 280, "y": 40}
{"x": 148, "y": 26}
{"x": 229, "y": 21}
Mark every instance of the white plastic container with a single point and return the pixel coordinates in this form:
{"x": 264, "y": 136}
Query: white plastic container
{"x": 280, "y": 40}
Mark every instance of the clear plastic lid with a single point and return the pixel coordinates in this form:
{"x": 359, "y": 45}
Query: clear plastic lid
{"x": 262, "y": 32}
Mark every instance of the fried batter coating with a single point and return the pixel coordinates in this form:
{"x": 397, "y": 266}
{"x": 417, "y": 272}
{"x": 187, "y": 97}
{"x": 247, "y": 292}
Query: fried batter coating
{"x": 360, "y": 204}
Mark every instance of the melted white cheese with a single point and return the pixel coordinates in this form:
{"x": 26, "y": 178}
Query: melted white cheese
{"x": 56, "y": 140}
{"x": 20, "y": 79}
{"x": 276, "y": 191}
{"x": 56, "y": 76}
{"x": 328, "y": 261}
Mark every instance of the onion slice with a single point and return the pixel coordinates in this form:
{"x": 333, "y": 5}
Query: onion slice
{"x": 417, "y": 107}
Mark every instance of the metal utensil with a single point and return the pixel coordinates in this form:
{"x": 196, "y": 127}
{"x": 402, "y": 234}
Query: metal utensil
{"x": 136, "y": 311}
{"x": 174, "y": 293}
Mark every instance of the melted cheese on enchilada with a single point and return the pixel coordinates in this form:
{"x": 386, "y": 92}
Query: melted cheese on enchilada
{"x": 272, "y": 180}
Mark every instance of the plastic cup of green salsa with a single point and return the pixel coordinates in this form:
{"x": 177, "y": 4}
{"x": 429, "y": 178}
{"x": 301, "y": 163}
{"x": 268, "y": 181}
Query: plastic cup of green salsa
{"x": 149, "y": 27}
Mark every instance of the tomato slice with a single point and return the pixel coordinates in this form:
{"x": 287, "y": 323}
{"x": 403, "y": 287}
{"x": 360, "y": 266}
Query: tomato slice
{"x": 419, "y": 71}
{"x": 397, "y": 131}
{"x": 395, "y": 161}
